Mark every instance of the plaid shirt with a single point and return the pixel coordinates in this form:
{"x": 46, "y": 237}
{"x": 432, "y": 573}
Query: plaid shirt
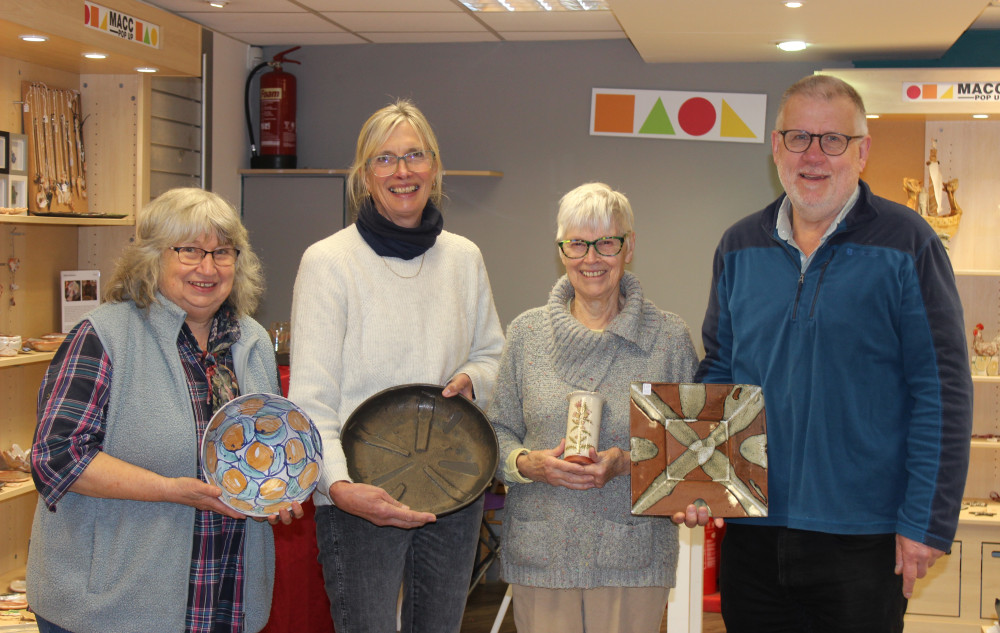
{"x": 72, "y": 407}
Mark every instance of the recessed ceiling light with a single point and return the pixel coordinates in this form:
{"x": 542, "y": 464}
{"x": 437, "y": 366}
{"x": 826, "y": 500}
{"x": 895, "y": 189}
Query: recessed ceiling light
{"x": 980, "y": 116}
{"x": 792, "y": 46}
{"x": 31, "y": 37}
{"x": 794, "y": 5}
{"x": 147, "y": 69}
{"x": 218, "y": 4}
{"x": 95, "y": 55}
{"x": 871, "y": 116}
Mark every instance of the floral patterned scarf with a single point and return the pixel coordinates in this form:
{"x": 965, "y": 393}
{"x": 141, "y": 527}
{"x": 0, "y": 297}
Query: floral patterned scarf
{"x": 223, "y": 385}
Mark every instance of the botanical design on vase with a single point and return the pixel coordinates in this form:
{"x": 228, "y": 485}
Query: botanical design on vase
{"x": 579, "y": 435}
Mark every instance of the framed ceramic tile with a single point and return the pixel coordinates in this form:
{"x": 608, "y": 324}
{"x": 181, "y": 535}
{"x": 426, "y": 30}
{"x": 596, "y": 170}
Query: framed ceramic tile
{"x": 18, "y": 192}
{"x": 4, "y": 156}
{"x": 4, "y": 190}
{"x": 17, "y": 161}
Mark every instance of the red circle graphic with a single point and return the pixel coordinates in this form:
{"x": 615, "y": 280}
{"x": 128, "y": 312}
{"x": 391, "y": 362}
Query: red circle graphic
{"x": 696, "y": 116}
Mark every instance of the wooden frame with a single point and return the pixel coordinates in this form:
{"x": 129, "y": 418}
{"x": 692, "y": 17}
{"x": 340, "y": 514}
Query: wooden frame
{"x": 4, "y": 154}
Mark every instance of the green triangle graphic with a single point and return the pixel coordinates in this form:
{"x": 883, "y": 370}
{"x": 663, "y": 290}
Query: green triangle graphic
{"x": 658, "y": 121}
{"x": 145, "y": 40}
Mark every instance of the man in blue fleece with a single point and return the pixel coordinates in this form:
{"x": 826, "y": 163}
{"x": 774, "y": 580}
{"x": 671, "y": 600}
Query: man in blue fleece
{"x": 843, "y": 306}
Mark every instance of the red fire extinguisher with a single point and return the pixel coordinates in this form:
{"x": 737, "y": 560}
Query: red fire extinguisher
{"x": 277, "y": 115}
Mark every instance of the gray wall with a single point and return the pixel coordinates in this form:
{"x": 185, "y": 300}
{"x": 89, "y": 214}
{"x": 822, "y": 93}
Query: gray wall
{"x": 524, "y": 109}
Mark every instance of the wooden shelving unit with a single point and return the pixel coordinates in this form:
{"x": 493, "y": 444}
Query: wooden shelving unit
{"x": 957, "y": 595}
{"x": 116, "y": 140}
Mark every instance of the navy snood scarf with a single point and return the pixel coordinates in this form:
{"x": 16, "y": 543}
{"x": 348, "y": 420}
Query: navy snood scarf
{"x": 391, "y": 240}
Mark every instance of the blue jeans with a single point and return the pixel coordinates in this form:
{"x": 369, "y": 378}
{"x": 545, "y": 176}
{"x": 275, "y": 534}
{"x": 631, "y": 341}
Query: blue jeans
{"x": 364, "y": 566}
{"x": 44, "y": 626}
{"x": 780, "y": 580}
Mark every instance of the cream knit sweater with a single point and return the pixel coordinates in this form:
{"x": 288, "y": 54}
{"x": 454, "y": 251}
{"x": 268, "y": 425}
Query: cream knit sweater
{"x": 362, "y": 323}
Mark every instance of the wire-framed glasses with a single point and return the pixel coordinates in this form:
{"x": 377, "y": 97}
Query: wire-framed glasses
{"x": 831, "y": 143}
{"x": 384, "y": 165}
{"x": 608, "y": 246}
{"x": 192, "y": 255}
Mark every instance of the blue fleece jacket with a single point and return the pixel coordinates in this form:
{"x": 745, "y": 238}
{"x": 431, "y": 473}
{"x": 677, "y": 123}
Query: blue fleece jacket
{"x": 864, "y": 366}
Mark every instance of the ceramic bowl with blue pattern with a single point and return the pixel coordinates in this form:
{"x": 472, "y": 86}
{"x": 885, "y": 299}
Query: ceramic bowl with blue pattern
{"x": 264, "y": 452}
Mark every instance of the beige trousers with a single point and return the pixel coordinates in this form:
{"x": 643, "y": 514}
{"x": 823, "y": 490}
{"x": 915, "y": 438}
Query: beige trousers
{"x": 600, "y": 610}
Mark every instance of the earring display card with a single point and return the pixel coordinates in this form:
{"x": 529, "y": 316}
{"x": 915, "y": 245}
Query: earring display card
{"x": 17, "y": 203}
{"x": 57, "y": 172}
{"x": 702, "y": 444}
{"x": 18, "y": 155}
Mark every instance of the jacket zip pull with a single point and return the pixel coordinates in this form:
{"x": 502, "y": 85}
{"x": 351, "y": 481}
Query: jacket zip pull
{"x": 798, "y": 295}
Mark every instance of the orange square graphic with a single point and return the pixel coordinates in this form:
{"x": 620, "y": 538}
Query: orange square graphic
{"x": 614, "y": 113}
{"x": 929, "y": 91}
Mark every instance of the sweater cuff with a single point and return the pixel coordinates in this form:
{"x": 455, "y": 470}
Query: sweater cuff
{"x": 510, "y": 471}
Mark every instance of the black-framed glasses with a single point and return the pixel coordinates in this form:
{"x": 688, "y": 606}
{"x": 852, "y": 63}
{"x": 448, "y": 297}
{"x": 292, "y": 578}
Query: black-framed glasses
{"x": 608, "y": 246}
{"x": 831, "y": 143}
{"x": 192, "y": 255}
{"x": 385, "y": 165}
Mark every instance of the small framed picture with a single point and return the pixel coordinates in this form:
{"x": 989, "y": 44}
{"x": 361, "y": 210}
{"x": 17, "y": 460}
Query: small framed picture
{"x": 18, "y": 191}
{"x": 4, "y": 190}
{"x": 18, "y": 155}
{"x": 4, "y": 155}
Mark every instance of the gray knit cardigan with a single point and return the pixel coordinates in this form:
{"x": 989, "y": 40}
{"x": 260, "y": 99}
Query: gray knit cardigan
{"x": 555, "y": 537}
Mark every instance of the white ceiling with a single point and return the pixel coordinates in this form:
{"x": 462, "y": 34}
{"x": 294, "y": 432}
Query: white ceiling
{"x": 660, "y": 30}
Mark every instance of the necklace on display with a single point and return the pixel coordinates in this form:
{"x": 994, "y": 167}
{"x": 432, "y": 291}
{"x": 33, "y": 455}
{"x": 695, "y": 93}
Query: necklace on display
{"x": 386, "y": 262}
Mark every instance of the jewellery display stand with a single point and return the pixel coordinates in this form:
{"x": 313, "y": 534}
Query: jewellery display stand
{"x": 57, "y": 173}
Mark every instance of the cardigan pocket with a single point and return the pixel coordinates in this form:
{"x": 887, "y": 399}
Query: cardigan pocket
{"x": 521, "y": 542}
{"x": 626, "y": 545}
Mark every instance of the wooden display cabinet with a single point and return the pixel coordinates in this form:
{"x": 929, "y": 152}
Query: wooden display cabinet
{"x": 115, "y": 99}
{"x": 958, "y": 593}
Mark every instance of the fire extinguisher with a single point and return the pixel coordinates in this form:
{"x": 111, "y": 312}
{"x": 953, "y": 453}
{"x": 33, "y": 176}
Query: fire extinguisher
{"x": 277, "y": 115}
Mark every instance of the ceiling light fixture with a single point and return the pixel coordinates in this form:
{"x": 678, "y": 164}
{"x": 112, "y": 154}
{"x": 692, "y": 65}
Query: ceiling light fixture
{"x": 95, "y": 55}
{"x": 794, "y": 5}
{"x": 792, "y": 46}
{"x": 871, "y": 116}
{"x": 535, "y": 5}
{"x": 980, "y": 116}
{"x": 31, "y": 37}
{"x": 218, "y": 4}
{"x": 146, "y": 69}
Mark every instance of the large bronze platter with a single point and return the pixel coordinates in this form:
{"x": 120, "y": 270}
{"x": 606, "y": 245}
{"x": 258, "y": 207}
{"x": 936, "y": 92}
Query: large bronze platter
{"x": 434, "y": 454}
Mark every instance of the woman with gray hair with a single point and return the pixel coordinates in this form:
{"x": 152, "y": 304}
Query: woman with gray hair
{"x": 575, "y": 557}
{"x": 391, "y": 300}
{"x": 140, "y": 541}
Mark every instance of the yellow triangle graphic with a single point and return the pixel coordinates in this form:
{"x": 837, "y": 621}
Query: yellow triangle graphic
{"x": 104, "y": 21}
{"x": 732, "y": 125}
{"x": 948, "y": 93}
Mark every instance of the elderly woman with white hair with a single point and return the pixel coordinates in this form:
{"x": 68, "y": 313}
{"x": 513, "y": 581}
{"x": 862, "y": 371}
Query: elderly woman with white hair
{"x": 576, "y": 558}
